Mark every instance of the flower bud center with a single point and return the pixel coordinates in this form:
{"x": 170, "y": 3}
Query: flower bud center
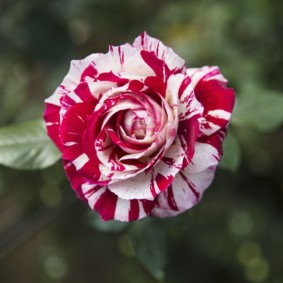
{"x": 139, "y": 127}
{"x": 138, "y": 124}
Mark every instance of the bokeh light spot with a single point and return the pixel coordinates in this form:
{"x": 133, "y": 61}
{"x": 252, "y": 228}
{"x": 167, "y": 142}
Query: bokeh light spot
{"x": 79, "y": 31}
{"x": 55, "y": 266}
{"x": 248, "y": 251}
{"x": 257, "y": 270}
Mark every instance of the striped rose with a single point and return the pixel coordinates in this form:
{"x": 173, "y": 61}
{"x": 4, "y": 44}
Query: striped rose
{"x": 140, "y": 134}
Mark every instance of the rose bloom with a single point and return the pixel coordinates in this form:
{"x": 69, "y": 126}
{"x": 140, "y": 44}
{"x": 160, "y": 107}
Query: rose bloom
{"x": 140, "y": 134}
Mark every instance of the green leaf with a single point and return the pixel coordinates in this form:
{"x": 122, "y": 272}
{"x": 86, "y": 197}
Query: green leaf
{"x": 232, "y": 153}
{"x": 259, "y": 108}
{"x": 27, "y": 146}
{"x": 149, "y": 241}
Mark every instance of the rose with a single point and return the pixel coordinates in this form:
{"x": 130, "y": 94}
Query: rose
{"x": 140, "y": 134}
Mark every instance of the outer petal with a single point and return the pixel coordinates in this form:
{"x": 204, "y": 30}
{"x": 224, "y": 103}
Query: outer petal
{"x": 185, "y": 192}
{"x": 52, "y": 120}
{"x": 69, "y": 87}
{"x": 74, "y": 178}
{"x": 217, "y": 100}
{"x": 124, "y": 58}
{"x": 205, "y": 73}
{"x": 103, "y": 201}
{"x": 79, "y": 70}
{"x": 173, "y": 61}
{"x": 190, "y": 183}
{"x": 208, "y": 151}
{"x": 109, "y": 206}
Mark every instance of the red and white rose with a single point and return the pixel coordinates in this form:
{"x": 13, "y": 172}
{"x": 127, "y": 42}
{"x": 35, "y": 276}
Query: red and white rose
{"x": 140, "y": 134}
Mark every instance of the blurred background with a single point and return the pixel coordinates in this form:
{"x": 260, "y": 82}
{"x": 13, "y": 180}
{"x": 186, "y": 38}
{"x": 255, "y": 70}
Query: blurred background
{"x": 236, "y": 233}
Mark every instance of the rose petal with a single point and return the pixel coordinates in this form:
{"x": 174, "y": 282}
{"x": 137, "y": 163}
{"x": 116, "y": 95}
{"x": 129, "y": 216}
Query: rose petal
{"x": 137, "y": 65}
{"x": 188, "y": 105}
{"x": 217, "y": 100}
{"x": 107, "y": 204}
{"x": 149, "y": 183}
{"x": 208, "y": 151}
{"x": 205, "y": 73}
{"x": 185, "y": 192}
{"x": 79, "y": 70}
{"x": 188, "y": 132}
{"x": 52, "y": 121}
{"x": 173, "y": 61}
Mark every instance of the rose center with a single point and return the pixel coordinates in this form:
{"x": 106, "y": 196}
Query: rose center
{"x": 138, "y": 127}
{"x": 138, "y": 124}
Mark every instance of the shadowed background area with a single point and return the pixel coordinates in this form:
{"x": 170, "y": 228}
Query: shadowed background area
{"x": 235, "y": 234}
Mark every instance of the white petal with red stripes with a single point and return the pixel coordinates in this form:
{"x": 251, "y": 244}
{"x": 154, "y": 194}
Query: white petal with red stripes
{"x": 140, "y": 134}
